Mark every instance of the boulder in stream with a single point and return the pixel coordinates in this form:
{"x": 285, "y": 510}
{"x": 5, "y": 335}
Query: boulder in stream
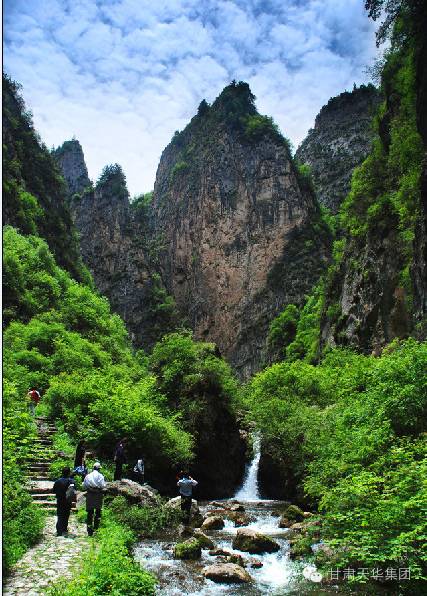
{"x": 175, "y": 503}
{"x": 227, "y": 573}
{"x": 213, "y": 522}
{"x": 239, "y": 519}
{"x": 134, "y": 493}
{"x": 190, "y": 549}
{"x": 204, "y": 541}
{"x": 250, "y": 541}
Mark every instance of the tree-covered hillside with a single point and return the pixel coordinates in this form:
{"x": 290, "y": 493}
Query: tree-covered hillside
{"x": 343, "y": 428}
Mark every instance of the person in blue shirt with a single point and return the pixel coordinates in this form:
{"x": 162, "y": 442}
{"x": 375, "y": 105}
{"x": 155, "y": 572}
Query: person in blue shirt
{"x": 186, "y": 484}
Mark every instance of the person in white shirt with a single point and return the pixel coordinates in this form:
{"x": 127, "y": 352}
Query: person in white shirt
{"x": 94, "y": 483}
{"x": 185, "y": 485}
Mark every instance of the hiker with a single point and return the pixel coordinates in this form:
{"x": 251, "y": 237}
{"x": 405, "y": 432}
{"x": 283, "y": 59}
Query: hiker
{"x": 94, "y": 483}
{"x": 34, "y": 396}
{"x": 185, "y": 485}
{"x": 138, "y": 471}
{"x": 119, "y": 459}
{"x": 80, "y": 461}
{"x": 64, "y": 500}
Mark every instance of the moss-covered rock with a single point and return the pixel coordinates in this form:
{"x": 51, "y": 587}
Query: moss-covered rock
{"x": 293, "y": 512}
{"x": 249, "y": 541}
{"x": 189, "y": 550}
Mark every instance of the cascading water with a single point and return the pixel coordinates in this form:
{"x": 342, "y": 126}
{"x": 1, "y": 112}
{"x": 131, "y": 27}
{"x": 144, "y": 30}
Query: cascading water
{"x": 277, "y": 575}
{"x": 249, "y": 490}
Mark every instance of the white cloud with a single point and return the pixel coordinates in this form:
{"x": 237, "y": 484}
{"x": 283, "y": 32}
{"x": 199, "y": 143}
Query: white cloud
{"x": 123, "y": 75}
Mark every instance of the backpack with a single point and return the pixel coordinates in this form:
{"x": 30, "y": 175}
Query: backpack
{"x": 71, "y": 494}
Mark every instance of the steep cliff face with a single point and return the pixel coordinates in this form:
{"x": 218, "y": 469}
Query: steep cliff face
{"x": 71, "y": 160}
{"x": 340, "y": 140}
{"x": 115, "y": 245}
{"x": 377, "y": 290}
{"x": 241, "y": 238}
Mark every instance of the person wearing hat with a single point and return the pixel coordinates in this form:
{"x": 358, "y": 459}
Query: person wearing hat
{"x": 94, "y": 483}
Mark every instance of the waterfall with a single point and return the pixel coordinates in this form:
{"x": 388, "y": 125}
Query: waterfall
{"x": 249, "y": 490}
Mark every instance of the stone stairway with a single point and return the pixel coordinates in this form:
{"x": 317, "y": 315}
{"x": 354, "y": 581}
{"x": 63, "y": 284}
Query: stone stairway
{"x": 40, "y": 486}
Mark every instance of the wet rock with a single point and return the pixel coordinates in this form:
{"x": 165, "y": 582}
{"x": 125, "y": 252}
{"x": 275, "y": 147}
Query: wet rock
{"x": 175, "y": 503}
{"x": 218, "y": 504}
{"x": 250, "y": 541}
{"x": 239, "y": 519}
{"x": 188, "y": 550}
{"x": 307, "y": 514}
{"x": 256, "y": 564}
{"x": 227, "y": 573}
{"x": 284, "y": 522}
{"x": 216, "y": 552}
{"x": 185, "y": 531}
{"x": 214, "y": 522}
{"x": 237, "y": 559}
{"x": 133, "y": 492}
{"x": 236, "y": 507}
{"x": 293, "y": 512}
{"x": 220, "y": 512}
{"x": 204, "y": 541}
{"x": 299, "y": 527}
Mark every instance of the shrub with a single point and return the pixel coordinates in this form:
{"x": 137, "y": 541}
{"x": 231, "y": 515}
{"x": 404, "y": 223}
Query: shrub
{"x": 108, "y": 567}
{"x": 143, "y": 520}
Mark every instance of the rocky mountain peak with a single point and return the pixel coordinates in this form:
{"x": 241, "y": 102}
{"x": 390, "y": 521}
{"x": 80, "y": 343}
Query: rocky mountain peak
{"x": 237, "y": 229}
{"x": 340, "y": 140}
{"x": 71, "y": 159}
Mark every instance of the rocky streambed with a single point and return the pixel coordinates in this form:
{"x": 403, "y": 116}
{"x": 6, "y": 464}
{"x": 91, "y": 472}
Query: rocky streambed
{"x": 240, "y": 548}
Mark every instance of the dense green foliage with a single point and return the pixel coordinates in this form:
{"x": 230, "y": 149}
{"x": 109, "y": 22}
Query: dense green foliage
{"x": 109, "y": 568}
{"x": 353, "y": 428}
{"x": 193, "y": 377}
{"x": 33, "y": 189}
{"x": 22, "y": 520}
{"x": 145, "y": 521}
{"x": 64, "y": 340}
{"x": 113, "y": 181}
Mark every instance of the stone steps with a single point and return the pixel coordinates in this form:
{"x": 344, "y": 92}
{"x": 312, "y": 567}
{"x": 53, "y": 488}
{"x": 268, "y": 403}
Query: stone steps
{"x": 39, "y": 463}
{"x": 43, "y": 496}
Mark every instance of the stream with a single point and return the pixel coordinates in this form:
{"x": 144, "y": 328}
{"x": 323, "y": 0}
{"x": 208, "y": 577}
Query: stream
{"x": 278, "y": 574}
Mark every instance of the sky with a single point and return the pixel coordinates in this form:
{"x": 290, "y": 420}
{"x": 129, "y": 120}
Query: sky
{"x": 122, "y": 76}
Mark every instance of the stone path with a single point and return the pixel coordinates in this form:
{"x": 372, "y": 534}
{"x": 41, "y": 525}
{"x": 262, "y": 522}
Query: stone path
{"x": 52, "y": 558}
{"x": 40, "y": 486}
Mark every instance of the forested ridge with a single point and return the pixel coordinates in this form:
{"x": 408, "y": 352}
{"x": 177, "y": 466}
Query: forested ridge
{"x": 341, "y": 408}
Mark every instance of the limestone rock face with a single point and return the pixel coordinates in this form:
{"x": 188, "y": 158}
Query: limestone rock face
{"x": 114, "y": 242}
{"x": 238, "y": 230}
{"x": 231, "y": 233}
{"x": 340, "y": 140}
{"x": 72, "y": 163}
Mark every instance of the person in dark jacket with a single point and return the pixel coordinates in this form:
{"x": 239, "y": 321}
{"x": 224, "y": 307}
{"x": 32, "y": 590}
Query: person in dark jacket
{"x": 63, "y": 508}
{"x": 80, "y": 454}
{"x": 80, "y": 461}
{"x": 119, "y": 459}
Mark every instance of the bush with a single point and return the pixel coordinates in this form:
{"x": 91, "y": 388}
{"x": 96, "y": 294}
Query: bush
{"x": 145, "y": 521}
{"x": 108, "y": 568}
